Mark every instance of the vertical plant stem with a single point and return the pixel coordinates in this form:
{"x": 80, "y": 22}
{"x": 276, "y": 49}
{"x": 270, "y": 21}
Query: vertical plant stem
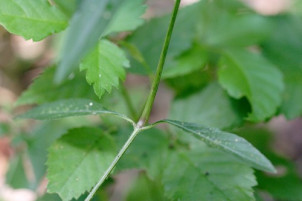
{"x": 149, "y": 104}
{"x": 114, "y": 162}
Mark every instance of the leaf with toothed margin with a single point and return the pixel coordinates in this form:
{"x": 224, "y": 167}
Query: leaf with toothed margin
{"x": 206, "y": 174}
{"x": 68, "y": 108}
{"x": 32, "y": 19}
{"x": 227, "y": 142}
{"x": 105, "y": 67}
{"x": 95, "y": 19}
{"x": 250, "y": 75}
{"x": 77, "y": 160}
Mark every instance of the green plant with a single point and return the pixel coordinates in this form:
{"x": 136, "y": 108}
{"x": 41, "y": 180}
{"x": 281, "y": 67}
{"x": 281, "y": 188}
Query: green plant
{"x": 245, "y": 74}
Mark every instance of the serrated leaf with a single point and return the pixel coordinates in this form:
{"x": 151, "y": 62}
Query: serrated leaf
{"x": 227, "y": 142}
{"x": 210, "y": 106}
{"x": 105, "y": 66}
{"x": 31, "y": 19}
{"x": 42, "y": 90}
{"x": 68, "y": 108}
{"x": 292, "y": 98}
{"x": 94, "y": 19}
{"x": 37, "y": 143}
{"x": 284, "y": 49}
{"x": 77, "y": 160}
{"x": 207, "y": 174}
{"x": 249, "y": 75}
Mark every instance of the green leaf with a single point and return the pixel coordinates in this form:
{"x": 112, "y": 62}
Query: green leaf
{"x": 94, "y": 19}
{"x": 249, "y": 75}
{"x": 68, "y": 108}
{"x": 189, "y": 61}
{"x": 292, "y": 98}
{"x": 31, "y": 19}
{"x": 77, "y": 160}
{"x": 49, "y": 197}
{"x": 210, "y": 106}
{"x": 287, "y": 170}
{"x": 42, "y": 90}
{"x": 227, "y": 142}
{"x": 207, "y": 174}
{"x": 16, "y": 176}
{"x": 67, "y": 6}
{"x": 34, "y": 156}
{"x": 150, "y": 49}
{"x": 127, "y": 17}
{"x": 4, "y": 129}
{"x": 147, "y": 152}
{"x": 145, "y": 189}
{"x": 221, "y": 25}
{"x": 104, "y": 67}
{"x": 284, "y": 49}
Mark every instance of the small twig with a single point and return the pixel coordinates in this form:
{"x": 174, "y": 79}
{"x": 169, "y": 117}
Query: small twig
{"x": 149, "y": 104}
{"x": 114, "y": 162}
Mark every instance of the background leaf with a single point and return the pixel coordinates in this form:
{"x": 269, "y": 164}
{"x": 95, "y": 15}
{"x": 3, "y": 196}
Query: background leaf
{"x": 147, "y": 152}
{"x": 284, "y": 49}
{"x": 245, "y": 74}
{"x": 222, "y": 24}
{"x": 34, "y": 156}
{"x": 150, "y": 49}
{"x": 287, "y": 173}
{"x": 211, "y": 106}
{"x": 67, "y": 6}
{"x": 104, "y": 67}
{"x": 127, "y": 17}
{"x": 207, "y": 174}
{"x": 189, "y": 61}
{"x": 144, "y": 189}
{"x": 93, "y": 19}
{"x": 31, "y": 19}
{"x": 77, "y": 160}
{"x": 42, "y": 90}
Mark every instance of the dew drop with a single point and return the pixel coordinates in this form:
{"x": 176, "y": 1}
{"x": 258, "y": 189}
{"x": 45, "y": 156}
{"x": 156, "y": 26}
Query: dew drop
{"x": 236, "y": 140}
{"x": 90, "y": 104}
{"x": 100, "y": 75}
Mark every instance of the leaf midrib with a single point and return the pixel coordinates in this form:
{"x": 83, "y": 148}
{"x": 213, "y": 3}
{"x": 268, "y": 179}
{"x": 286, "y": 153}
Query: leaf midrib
{"x": 238, "y": 154}
{"x": 79, "y": 165}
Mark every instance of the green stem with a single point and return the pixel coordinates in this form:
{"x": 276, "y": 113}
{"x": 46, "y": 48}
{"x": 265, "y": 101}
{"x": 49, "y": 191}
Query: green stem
{"x": 149, "y": 103}
{"x": 129, "y": 103}
{"x": 148, "y": 106}
{"x": 114, "y": 162}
